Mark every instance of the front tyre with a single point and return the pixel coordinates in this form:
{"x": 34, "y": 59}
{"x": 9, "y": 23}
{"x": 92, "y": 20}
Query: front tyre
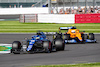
{"x": 47, "y": 45}
{"x": 59, "y": 44}
{"x": 16, "y": 47}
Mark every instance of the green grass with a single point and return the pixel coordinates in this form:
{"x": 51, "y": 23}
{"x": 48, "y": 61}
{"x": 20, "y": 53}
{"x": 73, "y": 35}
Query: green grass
{"x": 76, "y": 65}
{"x": 2, "y": 48}
{"x": 16, "y": 27}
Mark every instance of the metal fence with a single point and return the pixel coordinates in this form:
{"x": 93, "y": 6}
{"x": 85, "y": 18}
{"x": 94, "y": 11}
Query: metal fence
{"x": 22, "y": 3}
{"x": 55, "y": 4}
{"x": 16, "y": 1}
{"x": 28, "y": 18}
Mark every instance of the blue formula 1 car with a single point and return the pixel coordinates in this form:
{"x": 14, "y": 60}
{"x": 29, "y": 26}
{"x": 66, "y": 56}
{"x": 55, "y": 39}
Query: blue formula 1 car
{"x": 73, "y": 35}
{"x": 38, "y": 43}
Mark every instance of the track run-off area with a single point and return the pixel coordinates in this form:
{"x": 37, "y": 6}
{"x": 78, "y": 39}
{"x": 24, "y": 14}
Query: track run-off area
{"x": 74, "y": 53}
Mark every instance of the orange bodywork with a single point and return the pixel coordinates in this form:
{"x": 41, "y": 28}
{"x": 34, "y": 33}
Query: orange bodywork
{"x": 74, "y": 33}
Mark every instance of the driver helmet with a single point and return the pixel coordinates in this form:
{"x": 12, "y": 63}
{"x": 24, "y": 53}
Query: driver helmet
{"x": 73, "y": 27}
{"x": 39, "y": 33}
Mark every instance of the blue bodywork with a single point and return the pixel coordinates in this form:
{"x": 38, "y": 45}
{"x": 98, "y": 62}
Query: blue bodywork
{"x": 90, "y": 41}
{"x": 86, "y": 41}
{"x": 71, "y": 41}
{"x": 36, "y": 38}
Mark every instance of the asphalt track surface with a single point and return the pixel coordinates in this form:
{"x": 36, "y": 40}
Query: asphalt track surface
{"x": 9, "y": 16}
{"x": 74, "y": 53}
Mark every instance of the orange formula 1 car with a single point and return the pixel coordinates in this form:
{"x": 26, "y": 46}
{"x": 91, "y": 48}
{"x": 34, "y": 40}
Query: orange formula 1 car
{"x": 74, "y": 36}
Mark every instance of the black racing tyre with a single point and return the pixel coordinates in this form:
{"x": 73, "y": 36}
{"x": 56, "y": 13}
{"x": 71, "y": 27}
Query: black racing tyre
{"x": 85, "y": 37}
{"x": 17, "y": 52}
{"x": 82, "y": 35}
{"x": 16, "y": 47}
{"x": 11, "y": 51}
{"x": 63, "y": 47}
{"x": 66, "y": 36}
{"x": 47, "y": 45}
{"x": 91, "y": 36}
{"x": 59, "y": 43}
{"x": 58, "y": 35}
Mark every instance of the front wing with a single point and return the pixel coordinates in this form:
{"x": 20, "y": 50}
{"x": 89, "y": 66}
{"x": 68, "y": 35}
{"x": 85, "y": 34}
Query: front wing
{"x": 86, "y": 41}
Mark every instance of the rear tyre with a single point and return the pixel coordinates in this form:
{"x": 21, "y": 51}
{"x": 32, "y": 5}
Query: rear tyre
{"x": 16, "y": 47}
{"x": 47, "y": 46}
{"x": 63, "y": 47}
{"x": 59, "y": 44}
{"x": 91, "y": 36}
{"x": 84, "y": 38}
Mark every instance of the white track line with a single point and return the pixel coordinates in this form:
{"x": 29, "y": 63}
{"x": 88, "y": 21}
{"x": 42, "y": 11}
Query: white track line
{"x": 4, "y": 52}
{"x": 6, "y": 45}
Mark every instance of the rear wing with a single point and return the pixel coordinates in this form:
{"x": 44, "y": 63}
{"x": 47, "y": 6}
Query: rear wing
{"x": 64, "y": 28}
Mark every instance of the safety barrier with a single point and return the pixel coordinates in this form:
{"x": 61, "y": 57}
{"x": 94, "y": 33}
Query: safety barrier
{"x": 61, "y": 18}
{"x": 56, "y": 18}
{"x": 31, "y": 10}
{"x": 87, "y": 18}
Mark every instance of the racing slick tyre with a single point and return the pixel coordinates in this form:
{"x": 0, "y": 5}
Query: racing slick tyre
{"x": 59, "y": 44}
{"x": 47, "y": 45}
{"x": 91, "y": 36}
{"x": 84, "y": 37}
{"x": 16, "y": 47}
